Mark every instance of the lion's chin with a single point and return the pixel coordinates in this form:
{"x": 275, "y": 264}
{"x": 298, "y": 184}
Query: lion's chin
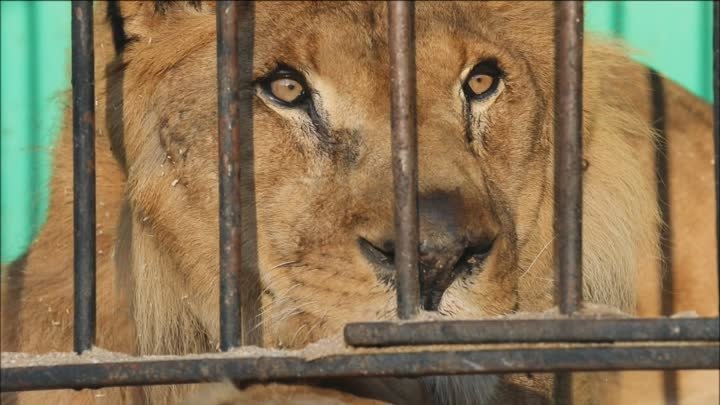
{"x": 461, "y": 389}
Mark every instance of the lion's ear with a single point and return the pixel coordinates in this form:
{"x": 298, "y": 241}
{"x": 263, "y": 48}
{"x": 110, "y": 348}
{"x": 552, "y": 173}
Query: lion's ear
{"x": 132, "y": 20}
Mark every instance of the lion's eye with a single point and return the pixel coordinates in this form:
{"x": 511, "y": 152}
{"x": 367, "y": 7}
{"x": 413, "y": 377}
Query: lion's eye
{"x": 482, "y": 80}
{"x": 286, "y": 87}
{"x": 481, "y": 83}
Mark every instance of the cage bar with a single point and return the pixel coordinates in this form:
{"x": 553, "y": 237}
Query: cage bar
{"x": 228, "y": 76}
{"x": 378, "y": 334}
{"x": 83, "y": 94}
{"x": 401, "y": 35}
{"x": 568, "y": 153}
{"x": 275, "y": 366}
{"x": 568, "y": 168}
{"x": 235, "y": 26}
{"x": 716, "y": 124}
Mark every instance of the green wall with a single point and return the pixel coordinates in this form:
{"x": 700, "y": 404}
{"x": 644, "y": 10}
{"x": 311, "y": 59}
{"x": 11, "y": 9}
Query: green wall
{"x": 673, "y": 36}
{"x": 34, "y": 71}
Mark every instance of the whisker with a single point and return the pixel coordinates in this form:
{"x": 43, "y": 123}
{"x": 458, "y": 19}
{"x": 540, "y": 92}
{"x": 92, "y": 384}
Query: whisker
{"x": 537, "y": 257}
{"x": 295, "y": 335}
{"x": 283, "y": 264}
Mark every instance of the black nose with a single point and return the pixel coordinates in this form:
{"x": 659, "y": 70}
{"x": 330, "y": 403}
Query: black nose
{"x": 447, "y": 247}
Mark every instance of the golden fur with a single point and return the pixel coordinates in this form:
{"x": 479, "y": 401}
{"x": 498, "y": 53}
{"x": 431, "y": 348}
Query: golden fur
{"x": 316, "y": 193}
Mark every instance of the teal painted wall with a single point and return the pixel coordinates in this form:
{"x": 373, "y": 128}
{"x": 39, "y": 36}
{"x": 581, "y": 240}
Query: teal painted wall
{"x": 673, "y": 36}
{"x": 34, "y": 71}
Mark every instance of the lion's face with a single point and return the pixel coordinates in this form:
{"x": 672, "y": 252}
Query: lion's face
{"x": 321, "y": 176}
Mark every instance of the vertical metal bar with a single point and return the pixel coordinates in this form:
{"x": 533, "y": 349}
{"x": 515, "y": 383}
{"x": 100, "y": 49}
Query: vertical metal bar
{"x": 401, "y": 35}
{"x": 662, "y": 178}
{"x": 568, "y": 168}
{"x": 716, "y": 116}
{"x": 83, "y": 85}
{"x": 227, "y": 15}
{"x": 568, "y": 152}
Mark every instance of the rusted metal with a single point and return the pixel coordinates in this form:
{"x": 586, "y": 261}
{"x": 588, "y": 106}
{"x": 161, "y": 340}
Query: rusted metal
{"x": 274, "y": 366}
{"x": 563, "y": 388}
{"x": 531, "y": 331}
{"x": 568, "y": 169}
{"x": 716, "y": 124}
{"x": 662, "y": 185}
{"x": 234, "y": 73}
{"x": 568, "y": 153}
{"x": 229, "y": 172}
{"x": 401, "y": 15}
{"x": 83, "y": 91}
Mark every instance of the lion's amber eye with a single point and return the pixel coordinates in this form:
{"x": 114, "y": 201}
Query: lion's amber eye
{"x": 287, "y": 90}
{"x": 286, "y": 87}
{"x": 482, "y": 80}
{"x": 479, "y": 84}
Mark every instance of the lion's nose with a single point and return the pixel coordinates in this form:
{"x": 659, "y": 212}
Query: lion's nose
{"x": 447, "y": 247}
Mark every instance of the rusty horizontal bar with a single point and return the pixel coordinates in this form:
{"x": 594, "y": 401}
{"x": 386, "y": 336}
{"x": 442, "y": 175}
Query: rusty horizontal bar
{"x": 401, "y": 33}
{"x": 531, "y": 331}
{"x": 83, "y": 94}
{"x": 418, "y": 361}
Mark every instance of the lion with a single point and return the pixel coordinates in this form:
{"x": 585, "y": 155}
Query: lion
{"x": 317, "y": 212}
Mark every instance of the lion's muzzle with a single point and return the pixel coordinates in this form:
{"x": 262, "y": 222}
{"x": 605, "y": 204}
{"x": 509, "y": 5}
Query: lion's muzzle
{"x": 448, "y": 247}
